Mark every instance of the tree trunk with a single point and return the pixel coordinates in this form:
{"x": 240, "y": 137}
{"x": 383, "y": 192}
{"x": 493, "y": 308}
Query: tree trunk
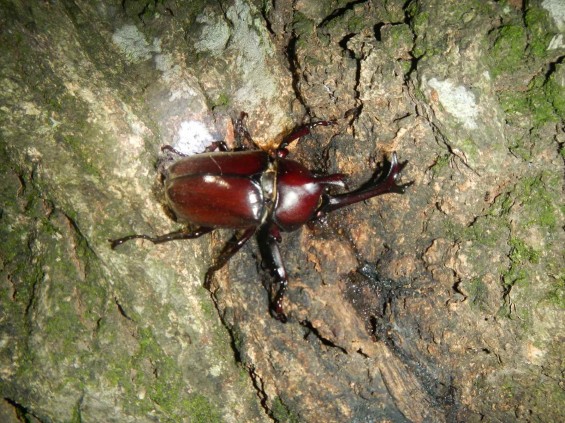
{"x": 443, "y": 304}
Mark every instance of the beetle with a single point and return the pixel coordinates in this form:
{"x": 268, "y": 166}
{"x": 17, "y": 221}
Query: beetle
{"x": 256, "y": 192}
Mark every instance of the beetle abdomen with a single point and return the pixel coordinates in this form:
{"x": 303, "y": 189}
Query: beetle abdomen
{"x": 216, "y": 201}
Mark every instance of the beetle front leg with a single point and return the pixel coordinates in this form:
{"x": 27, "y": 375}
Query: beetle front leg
{"x": 302, "y": 131}
{"x": 172, "y": 236}
{"x": 268, "y": 243}
{"x": 217, "y": 146}
{"x": 232, "y": 247}
{"x": 243, "y": 138}
{"x": 172, "y": 150}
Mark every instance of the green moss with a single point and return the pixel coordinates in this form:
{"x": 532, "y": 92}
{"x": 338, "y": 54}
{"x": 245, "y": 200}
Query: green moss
{"x": 554, "y": 90}
{"x": 117, "y": 373}
{"x": 556, "y": 293}
{"x": 440, "y": 164}
{"x": 301, "y": 25}
{"x": 521, "y": 253}
{"x": 419, "y": 22}
{"x": 502, "y": 205}
{"x": 543, "y": 101}
{"x": 238, "y": 339}
{"x": 282, "y": 413}
{"x": 470, "y": 149}
{"x": 356, "y": 23}
{"x": 207, "y": 306}
{"x": 401, "y": 34}
{"x": 399, "y": 38}
{"x": 418, "y": 19}
{"x": 12, "y": 240}
{"x": 542, "y": 94}
{"x": 222, "y": 100}
{"x": 313, "y": 61}
{"x": 394, "y": 11}
{"x": 537, "y": 23}
{"x": 515, "y": 47}
{"x": 151, "y": 370}
{"x": 520, "y": 256}
{"x": 514, "y": 102}
{"x": 82, "y": 152}
{"x": 508, "y": 49}
{"x": 200, "y": 410}
{"x": 530, "y": 204}
{"x": 76, "y": 417}
{"x": 478, "y": 293}
{"x": 546, "y": 395}
{"x": 507, "y": 389}
{"x": 536, "y": 201}
{"x": 147, "y": 10}
{"x": 537, "y": 196}
{"x": 522, "y": 146}
{"x": 539, "y": 200}
{"x": 406, "y": 66}
{"x": 222, "y": 343}
{"x": 486, "y": 231}
{"x": 63, "y": 321}
{"x": 534, "y": 390}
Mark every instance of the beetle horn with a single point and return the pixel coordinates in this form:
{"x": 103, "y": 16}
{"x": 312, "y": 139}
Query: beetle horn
{"x": 337, "y": 179}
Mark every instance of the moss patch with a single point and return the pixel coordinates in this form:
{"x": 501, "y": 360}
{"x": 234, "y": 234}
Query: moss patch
{"x": 282, "y": 413}
{"x": 508, "y": 48}
{"x": 153, "y": 377}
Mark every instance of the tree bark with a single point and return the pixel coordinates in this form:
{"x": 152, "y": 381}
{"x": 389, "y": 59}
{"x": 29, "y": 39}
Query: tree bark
{"x": 443, "y": 304}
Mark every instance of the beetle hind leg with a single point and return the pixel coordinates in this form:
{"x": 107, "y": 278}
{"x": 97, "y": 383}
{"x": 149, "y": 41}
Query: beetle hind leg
{"x": 171, "y": 236}
{"x": 232, "y": 247}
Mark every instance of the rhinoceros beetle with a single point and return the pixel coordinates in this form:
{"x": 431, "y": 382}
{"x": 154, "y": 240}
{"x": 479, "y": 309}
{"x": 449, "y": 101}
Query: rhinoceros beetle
{"x": 256, "y": 191}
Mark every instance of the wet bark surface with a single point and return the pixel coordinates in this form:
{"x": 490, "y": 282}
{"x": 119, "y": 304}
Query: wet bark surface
{"x": 443, "y": 304}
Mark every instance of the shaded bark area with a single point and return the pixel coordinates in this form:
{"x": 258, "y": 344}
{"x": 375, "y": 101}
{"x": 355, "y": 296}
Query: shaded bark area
{"x": 443, "y": 304}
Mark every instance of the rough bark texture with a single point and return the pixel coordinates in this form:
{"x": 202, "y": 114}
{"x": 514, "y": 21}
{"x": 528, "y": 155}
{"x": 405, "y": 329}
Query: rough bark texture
{"x": 444, "y": 304}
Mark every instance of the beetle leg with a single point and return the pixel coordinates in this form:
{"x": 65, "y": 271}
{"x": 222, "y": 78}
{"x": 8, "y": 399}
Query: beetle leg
{"x": 232, "y": 247}
{"x": 217, "y": 146}
{"x": 268, "y": 243}
{"x": 387, "y": 185}
{"x": 303, "y": 130}
{"x": 243, "y": 138}
{"x": 172, "y": 150}
{"x": 181, "y": 234}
